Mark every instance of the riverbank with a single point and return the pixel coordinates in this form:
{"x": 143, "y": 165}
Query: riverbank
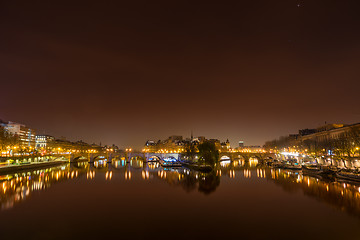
{"x": 30, "y": 166}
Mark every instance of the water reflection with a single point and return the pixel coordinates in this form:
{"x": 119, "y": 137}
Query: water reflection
{"x": 17, "y": 187}
{"x": 344, "y": 196}
{"x": 119, "y": 163}
{"x": 100, "y": 164}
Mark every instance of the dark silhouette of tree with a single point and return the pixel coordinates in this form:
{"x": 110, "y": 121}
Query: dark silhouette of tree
{"x": 7, "y": 139}
{"x": 208, "y": 182}
{"x": 208, "y": 152}
{"x": 190, "y": 151}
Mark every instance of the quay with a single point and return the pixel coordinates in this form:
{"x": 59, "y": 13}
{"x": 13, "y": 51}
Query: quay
{"x": 31, "y": 166}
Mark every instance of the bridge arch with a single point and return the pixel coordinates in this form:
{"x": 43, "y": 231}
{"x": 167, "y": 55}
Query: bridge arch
{"x": 225, "y": 157}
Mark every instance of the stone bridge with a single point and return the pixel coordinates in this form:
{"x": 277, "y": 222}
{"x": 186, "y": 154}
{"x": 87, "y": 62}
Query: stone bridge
{"x": 91, "y": 157}
{"x": 109, "y": 156}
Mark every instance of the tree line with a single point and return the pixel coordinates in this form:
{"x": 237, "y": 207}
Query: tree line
{"x": 206, "y": 151}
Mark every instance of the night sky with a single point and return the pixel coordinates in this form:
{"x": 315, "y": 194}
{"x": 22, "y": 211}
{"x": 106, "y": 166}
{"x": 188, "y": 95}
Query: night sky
{"x": 123, "y": 72}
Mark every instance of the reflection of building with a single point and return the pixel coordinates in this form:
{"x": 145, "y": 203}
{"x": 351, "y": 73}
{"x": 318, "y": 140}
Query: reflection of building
{"x": 344, "y": 196}
{"x": 44, "y": 141}
{"x": 39, "y": 180}
{"x": 26, "y": 135}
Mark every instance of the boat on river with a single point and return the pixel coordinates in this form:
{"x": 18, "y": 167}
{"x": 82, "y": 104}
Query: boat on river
{"x": 276, "y": 164}
{"x": 312, "y": 169}
{"x": 292, "y": 164}
{"x": 348, "y": 174}
{"x": 169, "y": 162}
{"x": 319, "y": 170}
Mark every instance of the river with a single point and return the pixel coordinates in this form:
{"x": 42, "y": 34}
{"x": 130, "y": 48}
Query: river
{"x": 139, "y": 200}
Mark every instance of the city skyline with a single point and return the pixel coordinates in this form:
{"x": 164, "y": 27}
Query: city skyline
{"x": 28, "y": 136}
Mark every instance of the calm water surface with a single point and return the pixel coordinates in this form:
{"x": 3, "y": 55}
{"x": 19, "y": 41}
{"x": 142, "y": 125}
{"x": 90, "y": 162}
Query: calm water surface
{"x": 145, "y": 201}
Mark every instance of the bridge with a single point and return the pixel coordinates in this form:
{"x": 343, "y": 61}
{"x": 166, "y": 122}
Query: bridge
{"x": 91, "y": 157}
{"x": 128, "y": 156}
{"x": 109, "y": 156}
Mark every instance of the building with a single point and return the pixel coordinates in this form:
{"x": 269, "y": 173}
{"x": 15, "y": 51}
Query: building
{"x": 225, "y": 146}
{"x": 26, "y": 135}
{"x": 151, "y": 146}
{"x": 178, "y": 144}
{"x": 241, "y": 144}
{"x": 198, "y": 140}
{"x": 173, "y": 144}
{"x": 175, "y": 138}
{"x": 44, "y": 142}
{"x": 326, "y": 132}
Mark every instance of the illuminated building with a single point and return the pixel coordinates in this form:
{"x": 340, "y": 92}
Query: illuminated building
{"x": 26, "y": 135}
{"x": 225, "y": 146}
{"x": 326, "y": 132}
{"x": 44, "y": 141}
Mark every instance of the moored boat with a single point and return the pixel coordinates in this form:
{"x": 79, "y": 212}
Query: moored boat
{"x": 277, "y": 164}
{"x": 169, "y": 162}
{"x": 329, "y": 170}
{"x": 348, "y": 175}
{"x": 292, "y": 165}
{"x": 312, "y": 169}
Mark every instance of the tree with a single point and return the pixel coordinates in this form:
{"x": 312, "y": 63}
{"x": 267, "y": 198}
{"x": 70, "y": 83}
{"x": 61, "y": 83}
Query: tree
{"x": 190, "y": 151}
{"x": 2, "y": 138}
{"x": 208, "y": 152}
{"x": 7, "y": 139}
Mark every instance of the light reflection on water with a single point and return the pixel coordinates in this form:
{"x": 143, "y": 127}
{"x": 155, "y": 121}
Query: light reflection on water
{"x": 238, "y": 184}
{"x": 18, "y": 187}
{"x": 15, "y": 188}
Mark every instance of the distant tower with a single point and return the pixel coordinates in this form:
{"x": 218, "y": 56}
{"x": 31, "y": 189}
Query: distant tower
{"x": 192, "y": 137}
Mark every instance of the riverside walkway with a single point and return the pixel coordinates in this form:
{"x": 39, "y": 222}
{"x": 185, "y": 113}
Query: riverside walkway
{"x": 30, "y": 166}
